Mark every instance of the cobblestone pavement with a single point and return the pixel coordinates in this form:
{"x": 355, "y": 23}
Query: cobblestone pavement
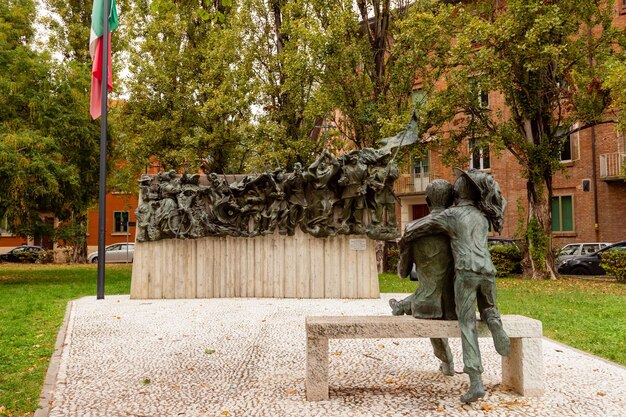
{"x": 246, "y": 357}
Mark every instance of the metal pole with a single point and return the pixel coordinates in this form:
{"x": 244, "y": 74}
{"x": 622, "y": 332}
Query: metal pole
{"x": 103, "y": 149}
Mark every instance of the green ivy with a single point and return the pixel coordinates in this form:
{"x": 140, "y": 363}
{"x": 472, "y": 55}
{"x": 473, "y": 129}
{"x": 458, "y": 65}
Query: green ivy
{"x": 538, "y": 241}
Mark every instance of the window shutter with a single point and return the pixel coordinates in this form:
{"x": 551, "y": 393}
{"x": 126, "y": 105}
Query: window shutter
{"x": 575, "y": 144}
{"x": 621, "y": 140}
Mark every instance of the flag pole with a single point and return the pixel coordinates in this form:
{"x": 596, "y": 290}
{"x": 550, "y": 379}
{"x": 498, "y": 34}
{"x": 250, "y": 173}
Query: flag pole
{"x": 103, "y": 149}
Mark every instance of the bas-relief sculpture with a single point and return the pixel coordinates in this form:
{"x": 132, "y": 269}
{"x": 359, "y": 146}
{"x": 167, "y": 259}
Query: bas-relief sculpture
{"x": 352, "y": 194}
{"x": 449, "y": 250}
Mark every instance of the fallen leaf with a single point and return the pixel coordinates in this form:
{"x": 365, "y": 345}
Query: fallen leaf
{"x": 224, "y": 413}
{"x": 504, "y": 389}
{"x": 190, "y": 369}
{"x": 601, "y": 394}
{"x": 146, "y": 381}
{"x": 439, "y": 409}
{"x": 337, "y": 353}
{"x": 381, "y": 346}
{"x": 371, "y": 357}
{"x": 391, "y": 381}
{"x": 516, "y": 402}
{"x": 39, "y": 335}
{"x": 118, "y": 318}
{"x": 292, "y": 391}
{"x": 396, "y": 343}
{"x": 486, "y": 407}
{"x": 209, "y": 351}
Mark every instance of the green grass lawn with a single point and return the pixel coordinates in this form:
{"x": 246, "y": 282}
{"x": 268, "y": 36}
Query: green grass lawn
{"x": 582, "y": 313}
{"x": 586, "y": 314}
{"x": 32, "y": 305}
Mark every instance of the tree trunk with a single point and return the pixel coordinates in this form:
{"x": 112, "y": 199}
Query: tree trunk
{"x": 538, "y": 258}
{"x": 79, "y": 253}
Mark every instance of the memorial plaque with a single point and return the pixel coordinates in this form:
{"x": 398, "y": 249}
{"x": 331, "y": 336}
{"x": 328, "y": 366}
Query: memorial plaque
{"x": 358, "y": 244}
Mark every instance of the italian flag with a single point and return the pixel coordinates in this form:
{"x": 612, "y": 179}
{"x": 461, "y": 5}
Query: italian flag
{"x": 95, "y": 49}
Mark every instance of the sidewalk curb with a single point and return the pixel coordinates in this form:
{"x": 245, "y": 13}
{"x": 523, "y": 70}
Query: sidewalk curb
{"x": 582, "y": 352}
{"x": 46, "y": 397}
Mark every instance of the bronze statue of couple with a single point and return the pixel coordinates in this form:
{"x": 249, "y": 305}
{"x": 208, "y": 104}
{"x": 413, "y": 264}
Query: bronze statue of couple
{"x": 455, "y": 272}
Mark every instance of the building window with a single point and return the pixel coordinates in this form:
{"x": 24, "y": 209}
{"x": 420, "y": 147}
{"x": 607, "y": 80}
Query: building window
{"x": 4, "y": 226}
{"x": 483, "y": 98}
{"x": 481, "y": 95}
{"x": 569, "y": 144}
{"x": 480, "y": 155}
{"x": 120, "y": 221}
{"x": 563, "y": 213}
{"x": 421, "y": 173}
{"x": 566, "y": 150}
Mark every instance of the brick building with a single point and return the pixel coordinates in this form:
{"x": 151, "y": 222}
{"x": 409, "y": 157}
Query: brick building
{"x": 120, "y": 215}
{"x": 589, "y": 196}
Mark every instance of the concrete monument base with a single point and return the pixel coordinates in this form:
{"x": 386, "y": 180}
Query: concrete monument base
{"x": 299, "y": 266}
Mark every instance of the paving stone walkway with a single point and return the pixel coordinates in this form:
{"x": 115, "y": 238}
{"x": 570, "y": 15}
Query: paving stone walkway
{"x": 246, "y": 357}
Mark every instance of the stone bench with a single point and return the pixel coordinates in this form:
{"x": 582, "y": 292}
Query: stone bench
{"x": 522, "y": 370}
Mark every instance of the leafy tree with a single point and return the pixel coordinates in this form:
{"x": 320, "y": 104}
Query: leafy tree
{"x": 189, "y": 91}
{"x": 247, "y": 82}
{"x": 76, "y": 136}
{"x": 48, "y": 144}
{"x": 367, "y": 77}
{"x": 330, "y": 65}
{"x": 30, "y": 168}
{"x": 546, "y": 58}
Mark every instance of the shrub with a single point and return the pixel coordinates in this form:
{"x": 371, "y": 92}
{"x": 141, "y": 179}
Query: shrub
{"x": 614, "y": 263}
{"x": 45, "y": 257}
{"x": 507, "y": 259}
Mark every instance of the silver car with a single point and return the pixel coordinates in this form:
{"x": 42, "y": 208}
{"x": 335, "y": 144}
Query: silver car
{"x": 576, "y": 249}
{"x": 115, "y": 253}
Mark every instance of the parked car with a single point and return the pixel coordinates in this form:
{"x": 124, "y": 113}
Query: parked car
{"x": 115, "y": 253}
{"x": 24, "y": 253}
{"x": 588, "y": 264}
{"x": 493, "y": 240}
{"x": 576, "y": 249}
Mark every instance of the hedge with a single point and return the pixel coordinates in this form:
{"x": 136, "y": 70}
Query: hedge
{"x": 507, "y": 259}
{"x": 614, "y": 263}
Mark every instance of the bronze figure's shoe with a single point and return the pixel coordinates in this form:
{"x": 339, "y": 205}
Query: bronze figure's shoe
{"x": 501, "y": 340}
{"x": 396, "y": 307}
{"x": 447, "y": 368}
{"x": 476, "y": 389}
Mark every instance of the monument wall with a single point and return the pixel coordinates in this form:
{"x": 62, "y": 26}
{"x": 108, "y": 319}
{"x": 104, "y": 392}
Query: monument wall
{"x": 299, "y": 266}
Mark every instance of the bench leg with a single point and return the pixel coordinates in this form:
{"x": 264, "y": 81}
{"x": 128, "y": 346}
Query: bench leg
{"x": 316, "y": 368}
{"x": 523, "y": 370}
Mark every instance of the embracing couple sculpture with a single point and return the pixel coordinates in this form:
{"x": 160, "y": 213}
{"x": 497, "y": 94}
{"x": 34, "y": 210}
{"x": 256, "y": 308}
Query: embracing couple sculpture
{"x": 449, "y": 250}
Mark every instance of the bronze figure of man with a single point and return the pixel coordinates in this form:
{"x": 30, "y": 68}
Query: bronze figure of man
{"x": 431, "y": 255}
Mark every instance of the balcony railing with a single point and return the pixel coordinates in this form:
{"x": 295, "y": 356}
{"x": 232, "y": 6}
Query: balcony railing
{"x": 611, "y": 165}
{"x": 411, "y": 184}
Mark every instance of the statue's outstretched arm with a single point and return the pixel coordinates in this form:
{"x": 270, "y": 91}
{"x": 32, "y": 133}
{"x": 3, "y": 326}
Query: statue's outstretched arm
{"x": 427, "y": 226}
